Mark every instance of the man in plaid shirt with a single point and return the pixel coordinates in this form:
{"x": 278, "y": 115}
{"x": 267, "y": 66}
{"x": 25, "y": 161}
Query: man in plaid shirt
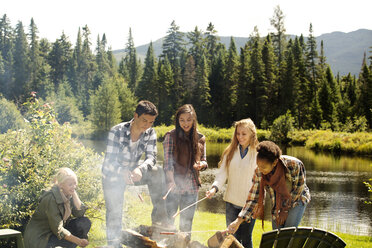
{"x": 127, "y": 142}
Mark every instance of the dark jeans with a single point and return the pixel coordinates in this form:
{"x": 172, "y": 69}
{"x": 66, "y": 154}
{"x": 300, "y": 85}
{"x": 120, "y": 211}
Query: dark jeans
{"x": 114, "y": 198}
{"x": 244, "y": 232}
{"x": 294, "y": 216}
{"x": 186, "y": 217}
{"x": 78, "y": 227}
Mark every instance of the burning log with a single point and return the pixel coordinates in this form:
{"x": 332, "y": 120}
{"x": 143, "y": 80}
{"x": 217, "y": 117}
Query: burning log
{"x": 156, "y": 237}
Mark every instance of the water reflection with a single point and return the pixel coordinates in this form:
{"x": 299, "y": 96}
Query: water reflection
{"x": 335, "y": 182}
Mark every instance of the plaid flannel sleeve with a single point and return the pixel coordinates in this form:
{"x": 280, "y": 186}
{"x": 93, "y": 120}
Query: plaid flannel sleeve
{"x": 247, "y": 212}
{"x": 168, "y": 158}
{"x": 111, "y": 165}
{"x": 298, "y": 175}
{"x": 150, "y": 153}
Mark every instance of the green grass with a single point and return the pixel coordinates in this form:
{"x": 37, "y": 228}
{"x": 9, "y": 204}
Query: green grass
{"x": 205, "y": 224}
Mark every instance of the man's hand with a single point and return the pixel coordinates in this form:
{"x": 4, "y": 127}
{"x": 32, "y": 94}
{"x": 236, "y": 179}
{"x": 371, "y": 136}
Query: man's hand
{"x": 136, "y": 175}
{"x": 127, "y": 177}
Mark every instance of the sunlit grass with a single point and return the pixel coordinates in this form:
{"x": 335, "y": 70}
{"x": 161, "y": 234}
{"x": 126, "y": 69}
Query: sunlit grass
{"x": 205, "y": 224}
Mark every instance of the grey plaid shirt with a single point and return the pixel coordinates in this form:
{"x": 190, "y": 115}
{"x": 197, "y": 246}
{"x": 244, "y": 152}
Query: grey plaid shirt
{"x": 120, "y": 157}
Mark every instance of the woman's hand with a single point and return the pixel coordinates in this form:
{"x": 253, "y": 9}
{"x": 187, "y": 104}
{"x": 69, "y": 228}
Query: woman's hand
{"x": 83, "y": 242}
{"x": 210, "y": 193}
{"x": 198, "y": 166}
{"x": 233, "y": 227}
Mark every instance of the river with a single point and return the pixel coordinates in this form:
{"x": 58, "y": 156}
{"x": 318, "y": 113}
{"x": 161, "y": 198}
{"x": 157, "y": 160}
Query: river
{"x": 338, "y": 194}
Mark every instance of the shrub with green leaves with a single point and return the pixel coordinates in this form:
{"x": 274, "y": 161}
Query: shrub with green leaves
{"x": 30, "y": 157}
{"x": 281, "y": 127}
{"x": 10, "y": 117}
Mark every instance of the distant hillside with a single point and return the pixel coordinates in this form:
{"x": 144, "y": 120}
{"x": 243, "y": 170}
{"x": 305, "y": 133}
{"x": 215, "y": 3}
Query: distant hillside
{"x": 344, "y": 51}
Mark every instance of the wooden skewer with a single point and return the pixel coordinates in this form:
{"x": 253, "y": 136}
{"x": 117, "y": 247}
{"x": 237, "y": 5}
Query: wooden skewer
{"x": 169, "y": 190}
{"x": 174, "y": 216}
{"x": 138, "y": 194}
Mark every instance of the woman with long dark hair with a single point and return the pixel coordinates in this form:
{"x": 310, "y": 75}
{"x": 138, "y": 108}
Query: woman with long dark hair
{"x": 184, "y": 157}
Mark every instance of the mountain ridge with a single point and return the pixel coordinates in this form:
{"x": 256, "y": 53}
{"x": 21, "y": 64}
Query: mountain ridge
{"x": 344, "y": 52}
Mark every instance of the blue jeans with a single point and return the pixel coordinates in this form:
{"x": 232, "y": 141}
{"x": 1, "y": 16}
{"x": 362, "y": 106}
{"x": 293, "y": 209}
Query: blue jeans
{"x": 114, "y": 199}
{"x": 244, "y": 232}
{"x": 294, "y": 216}
{"x": 174, "y": 201}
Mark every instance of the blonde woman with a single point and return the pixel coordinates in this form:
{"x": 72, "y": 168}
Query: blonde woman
{"x": 51, "y": 224}
{"x": 237, "y": 166}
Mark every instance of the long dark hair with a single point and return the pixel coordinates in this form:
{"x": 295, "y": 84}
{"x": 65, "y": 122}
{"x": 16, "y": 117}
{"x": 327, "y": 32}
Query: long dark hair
{"x": 192, "y": 137}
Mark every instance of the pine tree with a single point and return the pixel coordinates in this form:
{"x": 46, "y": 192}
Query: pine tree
{"x": 35, "y": 59}
{"x": 231, "y": 80}
{"x": 365, "y": 98}
{"x": 131, "y": 63}
{"x": 166, "y": 84}
{"x": 6, "y": 47}
{"x": 21, "y": 64}
{"x": 245, "y": 79}
{"x": 201, "y": 94}
{"x": 279, "y": 38}
{"x": 268, "y": 59}
{"x": 148, "y": 87}
{"x": 290, "y": 82}
{"x": 58, "y": 59}
{"x": 105, "y": 107}
{"x": 189, "y": 79}
{"x": 316, "y": 112}
{"x": 325, "y": 101}
{"x": 173, "y": 44}
{"x": 127, "y": 100}
{"x": 196, "y": 42}
{"x": 258, "y": 100}
{"x": 303, "y": 95}
{"x": 311, "y": 61}
{"x": 219, "y": 90}
{"x": 87, "y": 69}
{"x": 211, "y": 40}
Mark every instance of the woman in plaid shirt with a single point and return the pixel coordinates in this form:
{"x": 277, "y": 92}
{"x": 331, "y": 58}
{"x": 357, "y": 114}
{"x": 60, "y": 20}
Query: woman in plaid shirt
{"x": 184, "y": 157}
{"x": 284, "y": 178}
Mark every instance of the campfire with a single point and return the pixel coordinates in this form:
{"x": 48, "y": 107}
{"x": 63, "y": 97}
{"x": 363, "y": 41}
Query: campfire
{"x": 156, "y": 237}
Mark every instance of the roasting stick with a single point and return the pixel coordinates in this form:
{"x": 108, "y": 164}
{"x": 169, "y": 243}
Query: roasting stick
{"x": 169, "y": 190}
{"x": 138, "y": 194}
{"x": 174, "y": 216}
{"x": 173, "y": 233}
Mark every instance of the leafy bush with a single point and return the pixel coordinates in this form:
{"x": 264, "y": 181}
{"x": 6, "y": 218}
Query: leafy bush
{"x": 10, "y": 117}
{"x": 359, "y": 143}
{"x": 30, "y": 157}
{"x": 281, "y": 127}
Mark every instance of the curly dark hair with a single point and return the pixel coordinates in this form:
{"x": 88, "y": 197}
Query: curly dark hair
{"x": 268, "y": 150}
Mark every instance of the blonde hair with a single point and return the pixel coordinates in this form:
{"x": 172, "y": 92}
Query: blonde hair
{"x": 231, "y": 148}
{"x": 62, "y": 175}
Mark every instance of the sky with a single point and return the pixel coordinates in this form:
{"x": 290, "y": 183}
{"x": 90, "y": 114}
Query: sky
{"x": 150, "y": 20}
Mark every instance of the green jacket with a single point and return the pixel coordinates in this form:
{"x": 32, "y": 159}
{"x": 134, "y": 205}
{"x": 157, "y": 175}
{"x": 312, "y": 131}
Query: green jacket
{"x": 48, "y": 219}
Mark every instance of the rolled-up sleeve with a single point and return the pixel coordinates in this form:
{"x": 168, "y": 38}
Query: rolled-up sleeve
{"x": 250, "y": 206}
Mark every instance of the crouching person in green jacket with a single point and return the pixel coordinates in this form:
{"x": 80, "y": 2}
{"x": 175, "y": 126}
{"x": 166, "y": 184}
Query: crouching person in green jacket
{"x": 52, "y": 225}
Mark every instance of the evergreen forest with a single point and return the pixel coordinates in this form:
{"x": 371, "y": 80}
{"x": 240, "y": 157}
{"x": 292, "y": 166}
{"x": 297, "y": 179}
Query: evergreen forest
{"x": 269, "y": 77}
